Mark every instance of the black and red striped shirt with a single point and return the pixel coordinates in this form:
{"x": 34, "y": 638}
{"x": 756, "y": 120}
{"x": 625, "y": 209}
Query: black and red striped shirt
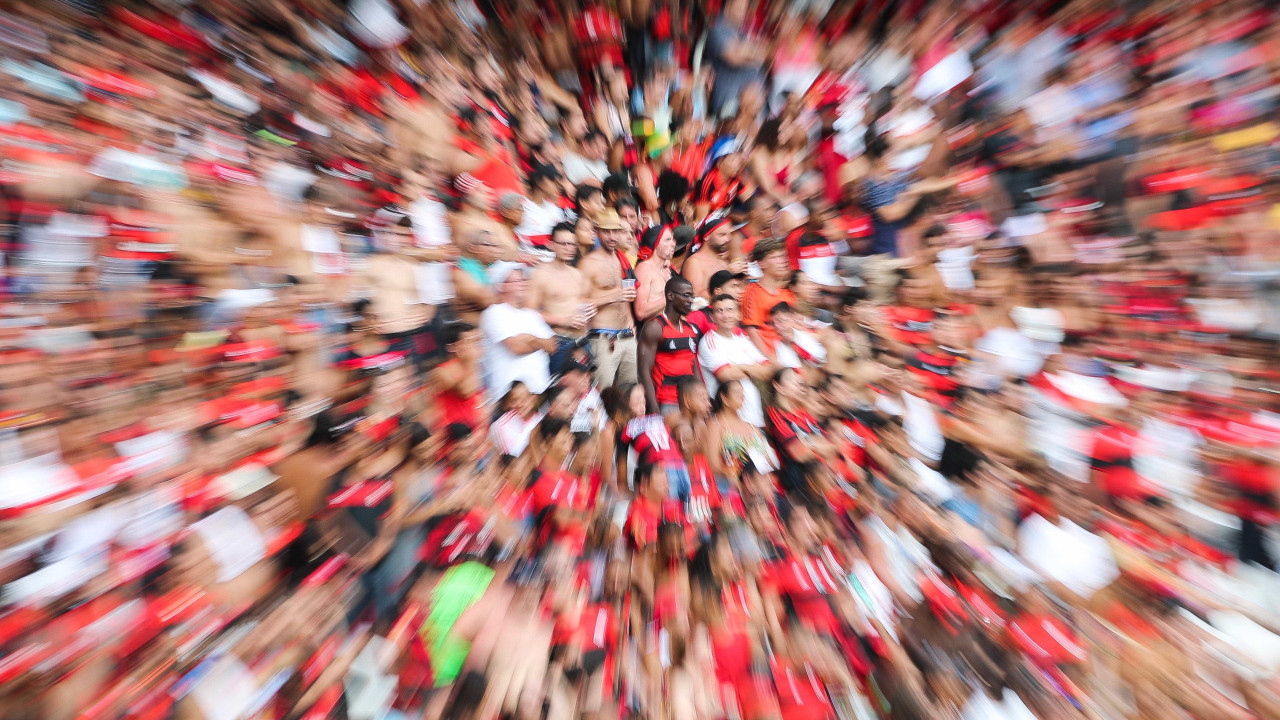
{"x": 716, "y": 190}
{"x": 936, "y": 369}
{"x": 676, "y": 359}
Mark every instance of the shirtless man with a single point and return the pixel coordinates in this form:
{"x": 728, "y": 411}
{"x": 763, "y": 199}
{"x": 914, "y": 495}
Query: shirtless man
{"x": 315, "y": 253}
{"x": 558, "y": 290}
{"x": 713, "y": 256}
{"x": 652, "y": 275}
{"x": 612, "y": 329}
{"x": 399, "y": 315}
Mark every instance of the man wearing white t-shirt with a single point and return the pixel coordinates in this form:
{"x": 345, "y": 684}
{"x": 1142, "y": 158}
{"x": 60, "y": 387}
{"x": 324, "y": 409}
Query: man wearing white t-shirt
{"x": 517, "y": 342}
{"x": 541, "y": 213}
{"x": 796, "y": 347}
{"x": 588, "y": 167}
{"x": 728, "y": 355}
{"x": 432, "y": 239}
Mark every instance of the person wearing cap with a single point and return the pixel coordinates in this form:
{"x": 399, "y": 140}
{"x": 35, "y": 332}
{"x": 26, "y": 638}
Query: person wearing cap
{"x": 517, "y": 342}
{"x": 610, "y": 285}
{"x": 653, "y": 271}
{"x": 657, "y": 158}
{"x": 720, "y": 188}
{"x": 723, "y": 282}
{"x": 711, "y": 254}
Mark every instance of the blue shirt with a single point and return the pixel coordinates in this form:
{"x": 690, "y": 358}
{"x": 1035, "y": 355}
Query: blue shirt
{"x": 875, "y": 195}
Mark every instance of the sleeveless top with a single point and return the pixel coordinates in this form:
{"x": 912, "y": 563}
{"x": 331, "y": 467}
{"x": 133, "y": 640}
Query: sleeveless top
{"x": 676, "y": 359}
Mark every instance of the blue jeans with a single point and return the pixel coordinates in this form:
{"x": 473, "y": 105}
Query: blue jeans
{"x": 679, "y": 485}
{"x": 968, "y": 510}
{"x": 385, "y": 583}
{"x": 565, "y": 351}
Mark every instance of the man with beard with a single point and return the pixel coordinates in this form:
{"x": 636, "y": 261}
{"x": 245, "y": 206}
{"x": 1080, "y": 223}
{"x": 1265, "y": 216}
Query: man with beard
{"x": 711, "y": 255}
{"x": 657, "y": 248}
{"x": 610, "y": 287}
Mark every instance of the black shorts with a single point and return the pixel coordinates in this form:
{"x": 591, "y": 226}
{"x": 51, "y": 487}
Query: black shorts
{"x": 589, "y": 664}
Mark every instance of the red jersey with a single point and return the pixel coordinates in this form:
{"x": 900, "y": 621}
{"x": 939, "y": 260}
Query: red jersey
{"x": 497, "y": 170}
{"x": 454, "y": 537}
{"x": 786, "y": 426}
{"x": 801, "y": 695}
{"x": 651, "y": 440}
{"x": 804, "y": 245}
{"x": 676, "y": 359}
{"x": 830, "y": 162}
{"x": 704, "y": 495}
{"x": 1254, "y": 484}
{"x": 717, "y": 191}
{"x": 594, "y": 629}
{"x": 599, "y": 37}
{"x": 701, "y": 319}
{"x": 910, "y": 325}
{"x": 937, "y": 371}
{"x": 551, "y": 492}
{"x": 1112, "y": 458}
{"x": 643, "y": 518}
{"x": 807, "y": 581}
{"x": 748, "y": 242}
{"x": 458, "y": 408}
{"x": 857, "y": 437}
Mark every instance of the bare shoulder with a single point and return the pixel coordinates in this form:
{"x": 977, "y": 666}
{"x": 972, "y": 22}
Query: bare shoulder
{"x": 540, "y": 274}
{"x": 650, "y": 330}
{"x": 591, "y": 264}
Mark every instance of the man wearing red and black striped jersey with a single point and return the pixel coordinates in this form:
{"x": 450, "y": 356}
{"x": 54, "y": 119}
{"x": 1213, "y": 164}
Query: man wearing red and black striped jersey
{"x": 668, "y": 349}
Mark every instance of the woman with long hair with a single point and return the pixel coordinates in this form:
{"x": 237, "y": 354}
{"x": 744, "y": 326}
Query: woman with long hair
{"x": 732, "y": 442}
{"x": 775, "y": 162}
{"x": 622, "y": 403}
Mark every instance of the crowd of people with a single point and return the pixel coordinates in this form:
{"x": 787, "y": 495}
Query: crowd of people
{"x": 728, "y": 359}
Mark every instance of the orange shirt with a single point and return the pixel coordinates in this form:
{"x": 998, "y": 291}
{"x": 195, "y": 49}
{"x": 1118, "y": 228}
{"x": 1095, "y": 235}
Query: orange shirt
{"x": 757, "y": 301}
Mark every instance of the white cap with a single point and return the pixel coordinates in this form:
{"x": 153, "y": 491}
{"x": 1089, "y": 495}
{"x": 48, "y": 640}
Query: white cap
{"x": 1040, "y": 324}
{"x": 798, "y": 211}
{"x": 500, "y": 271}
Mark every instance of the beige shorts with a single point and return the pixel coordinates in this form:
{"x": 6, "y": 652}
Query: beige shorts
{"x": 615, "y": 360}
